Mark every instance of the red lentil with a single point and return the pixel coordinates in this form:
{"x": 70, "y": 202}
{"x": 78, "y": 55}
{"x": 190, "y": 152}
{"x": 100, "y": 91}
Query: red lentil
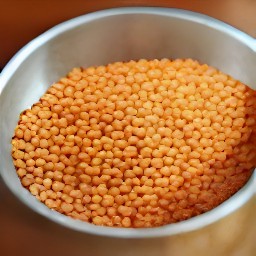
{"x": 138, "y": 144}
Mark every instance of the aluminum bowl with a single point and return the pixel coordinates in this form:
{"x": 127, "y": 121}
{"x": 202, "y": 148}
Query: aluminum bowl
{"x": 118, "y": 35}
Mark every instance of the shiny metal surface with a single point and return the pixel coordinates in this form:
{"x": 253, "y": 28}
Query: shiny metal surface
{"x": 118, "y": 35}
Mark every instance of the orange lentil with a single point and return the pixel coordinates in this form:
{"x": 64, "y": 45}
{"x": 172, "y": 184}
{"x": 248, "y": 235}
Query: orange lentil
{"x": 137, "y": 144}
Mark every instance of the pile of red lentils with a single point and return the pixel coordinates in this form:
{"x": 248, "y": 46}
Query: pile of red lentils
{"x": 138, "y": 144}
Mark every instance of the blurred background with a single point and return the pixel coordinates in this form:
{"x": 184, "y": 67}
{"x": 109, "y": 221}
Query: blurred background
{"x": 23, "y": 20}
{"x": 23, "y": 232}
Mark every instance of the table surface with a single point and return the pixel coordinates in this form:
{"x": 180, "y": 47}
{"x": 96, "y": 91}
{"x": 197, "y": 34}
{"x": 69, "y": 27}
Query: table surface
{"x": 23, "y": 232}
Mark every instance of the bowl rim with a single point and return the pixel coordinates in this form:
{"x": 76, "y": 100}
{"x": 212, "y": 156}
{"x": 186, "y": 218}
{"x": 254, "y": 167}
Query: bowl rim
{"x": 194, "y": 223}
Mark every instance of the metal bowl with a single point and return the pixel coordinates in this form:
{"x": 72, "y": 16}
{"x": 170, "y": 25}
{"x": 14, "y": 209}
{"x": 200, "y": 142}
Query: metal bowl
{"x": 118, "y": 35}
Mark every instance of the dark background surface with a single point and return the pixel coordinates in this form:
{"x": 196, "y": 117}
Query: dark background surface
{"x": 23, "y": 232}
{"x": 23, "y": 20}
